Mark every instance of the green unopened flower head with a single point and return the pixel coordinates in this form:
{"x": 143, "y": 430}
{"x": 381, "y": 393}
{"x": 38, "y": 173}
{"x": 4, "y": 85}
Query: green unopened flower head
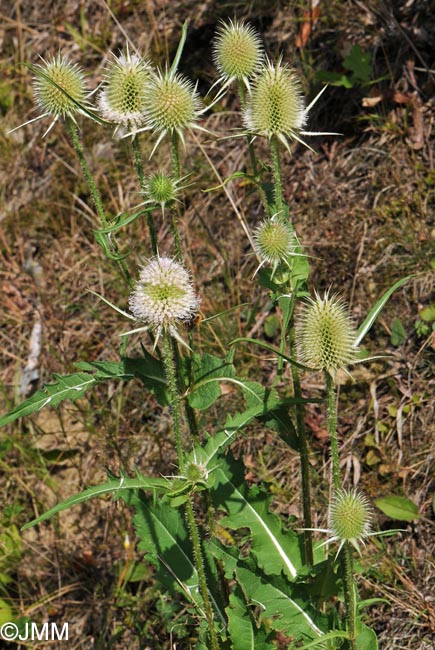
{"x": 326, "y": 335}
{"x": 164, "y": 296}
{"x": 59, "y": 89}
{"x": 161, "y": 188}
{"x": 237, "y": 51}
{"x": 172, "y": 104}
{"x": 276, "y": 106}
{"x": 122, "y": 100}
{"x": 274, "y": 243}
{"x": 350, "y": 518}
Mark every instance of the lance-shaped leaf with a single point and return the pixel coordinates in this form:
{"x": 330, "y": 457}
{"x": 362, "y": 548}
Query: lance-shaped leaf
{"x": 283, "y": 604}
{"x": 242, "y": 628}
{"x": 207, "y": 371}
{"x": 277, "y": 550}
{"x": 376, "y": 309}
{"x": 164, "y": 537}
{"x": 113, "y": 485}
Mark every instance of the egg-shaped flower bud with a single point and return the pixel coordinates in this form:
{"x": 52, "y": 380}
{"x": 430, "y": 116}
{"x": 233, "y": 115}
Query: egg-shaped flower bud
{"x": 325, "y": 334}
{"x": 161, "y": 188}
{"x": 274, "y": 243}
{"x": 237, "y": 51}
{"x": 275, "y": 106}
{"x": 350, "y": 518}
{"x": 164, "y": 295}
{"x": 59, "y": 87}
{"x": 172, "y": 103}
{"x": 122, "y": 100}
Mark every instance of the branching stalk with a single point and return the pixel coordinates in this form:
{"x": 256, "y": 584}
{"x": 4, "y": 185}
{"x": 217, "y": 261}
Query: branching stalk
{"x": 350, "y": 595}
{"x": 141, "y": 176}
{"x": 96, "y": 197}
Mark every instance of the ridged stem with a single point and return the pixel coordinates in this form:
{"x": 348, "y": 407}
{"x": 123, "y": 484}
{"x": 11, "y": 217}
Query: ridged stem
{"x": 252, "y": 157}
{"x": 175, "y": 401}
{"x": 141, "y": 176}
{"x": 277, "y": 177}
{"x": 349, "y": 592}
{"x": 304, "y": 455}
{"x": 96, "y": 197}
{"x": 332, "y": 430}
{"x": 173, "y": 210}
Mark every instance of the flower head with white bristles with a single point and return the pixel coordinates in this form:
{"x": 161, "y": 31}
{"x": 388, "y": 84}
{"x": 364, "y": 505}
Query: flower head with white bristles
{"x": 122, "y": 99}
{"x": 274, "y": 243}
{"x": 164, "y": 296}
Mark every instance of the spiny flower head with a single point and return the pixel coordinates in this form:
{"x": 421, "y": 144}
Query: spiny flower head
{"x": 274, "y": 242}
{"x": 164, "y": 295}
{"x": 325, "y": 334}
{"x": 276, "y": 106}
{"x": 350, "y": 518}
{"x": 59, "y": 89}
{"x": 161, "y": 188}
{"x": 122, "y": 100}
{"x": 237, "y": 51}
{"x": 172, "y": 104}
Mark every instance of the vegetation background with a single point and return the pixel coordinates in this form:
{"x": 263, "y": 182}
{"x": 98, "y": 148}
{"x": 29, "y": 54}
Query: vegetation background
{"x": 363, "y": 206}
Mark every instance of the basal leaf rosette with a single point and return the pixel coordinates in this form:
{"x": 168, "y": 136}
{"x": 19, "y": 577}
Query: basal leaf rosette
{"x": 123, "y": 98}
{"x": 164, "y": 296}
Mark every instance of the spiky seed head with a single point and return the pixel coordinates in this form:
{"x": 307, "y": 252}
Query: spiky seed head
{"x": 164, "y": 295}
{"x": 350, "y": 517}
{"x": 274, "y": 241}
{"x": 325, "y": 334}
{"x": 122, "y": 100}
{"x": 172, "y": 103}
{"x": 196, "y": 472}
{"x": 275, "y": 106}
{"x": 237, "y": 51}
{"x": 161, "y": 188}
{"x": 60, "y": 84}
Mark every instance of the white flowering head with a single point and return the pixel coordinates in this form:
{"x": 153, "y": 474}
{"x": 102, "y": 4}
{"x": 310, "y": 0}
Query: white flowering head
{"x": 350, "y": 518}
{"x": 123, "y": 98}
{"x": 164, "y": 296}
{"x": 276, "y": 106}
{"x": 326, "y": 336}
{"x": 237, "y": 51}
{"x": 172, "y": 103}
{"x": 274, "y": 243}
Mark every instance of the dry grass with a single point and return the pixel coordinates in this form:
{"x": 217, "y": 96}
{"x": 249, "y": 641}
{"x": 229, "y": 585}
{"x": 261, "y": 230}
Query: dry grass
{"x": 364, "y": 208}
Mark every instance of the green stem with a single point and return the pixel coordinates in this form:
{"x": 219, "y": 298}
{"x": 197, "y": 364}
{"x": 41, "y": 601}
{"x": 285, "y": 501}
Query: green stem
{"x": 141, "y": 176}
{"x": 252, "y": 157}
{"x": 350, "y": 595}
{"x": 277, "y": 177}
{"x": 332, "y": 430}
{"x": 304, "y": 455}
{"x": 173, "y": 210}
{"x": 199, "y": 564}
{"x": 96, "y": 196}
{"x": 174, "y": 397}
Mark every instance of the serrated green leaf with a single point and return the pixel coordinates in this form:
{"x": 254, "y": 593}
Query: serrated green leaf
{"x": 113, "y": 485}
{"x": 281, "y": 603}
{"x": 398, "y": 507}
{"x": 359, "y": 62}
{"x": 207, "y": 371}
{"x": 242, "y": 628}
{"x": 276, "y": 550}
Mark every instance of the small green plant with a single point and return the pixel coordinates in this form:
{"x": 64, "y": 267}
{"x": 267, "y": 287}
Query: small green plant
{"x": 357, "y": 70}
{"x": 265, "y": 577}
